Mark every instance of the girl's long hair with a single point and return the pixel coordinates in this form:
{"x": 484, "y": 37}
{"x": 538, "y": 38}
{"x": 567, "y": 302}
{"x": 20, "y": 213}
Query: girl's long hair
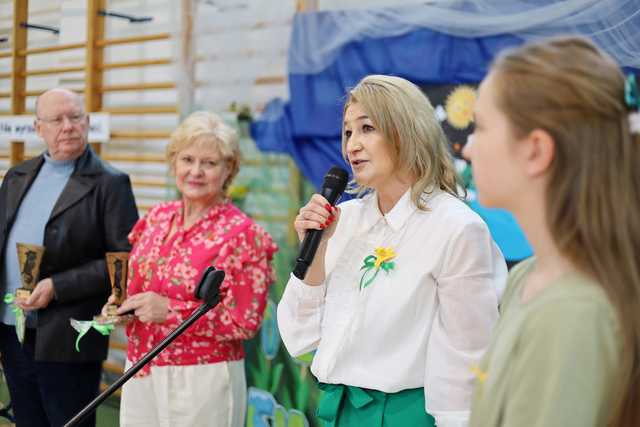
{"x": 569, "y": 88}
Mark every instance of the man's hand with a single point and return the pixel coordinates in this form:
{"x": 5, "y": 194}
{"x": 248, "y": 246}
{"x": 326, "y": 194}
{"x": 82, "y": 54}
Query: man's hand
{"x": 148, "y": 307}
{"x": 40, "y": 297}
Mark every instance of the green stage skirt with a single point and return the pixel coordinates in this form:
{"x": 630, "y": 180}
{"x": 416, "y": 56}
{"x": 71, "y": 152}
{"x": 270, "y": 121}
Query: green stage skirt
{"x": 343, "y": 406}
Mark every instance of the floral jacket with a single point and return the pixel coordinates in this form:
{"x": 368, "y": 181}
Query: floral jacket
{"x": 224, "y": 237}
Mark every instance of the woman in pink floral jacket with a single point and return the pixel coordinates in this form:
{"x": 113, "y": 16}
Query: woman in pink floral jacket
{"x": 199, "y": 379}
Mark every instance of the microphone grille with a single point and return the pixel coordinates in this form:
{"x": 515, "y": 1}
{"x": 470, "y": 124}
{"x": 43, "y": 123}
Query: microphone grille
{"x": 336, "y": 178}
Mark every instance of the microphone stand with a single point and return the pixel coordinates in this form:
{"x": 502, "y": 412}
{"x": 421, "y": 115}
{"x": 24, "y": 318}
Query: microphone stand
{"x": 206, "y": 289}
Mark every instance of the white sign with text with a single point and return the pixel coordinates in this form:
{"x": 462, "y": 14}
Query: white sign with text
{"x": 21, "y": 128}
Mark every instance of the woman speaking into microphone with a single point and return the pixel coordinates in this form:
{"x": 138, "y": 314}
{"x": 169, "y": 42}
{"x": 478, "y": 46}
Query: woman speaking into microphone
{"x": 400, "y": 299}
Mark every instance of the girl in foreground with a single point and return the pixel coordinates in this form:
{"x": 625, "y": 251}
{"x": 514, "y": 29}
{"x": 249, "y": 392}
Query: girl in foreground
{"x": 554, "y": 144}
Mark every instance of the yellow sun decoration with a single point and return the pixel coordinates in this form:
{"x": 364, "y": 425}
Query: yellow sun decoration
{"x": 459, "y": 106}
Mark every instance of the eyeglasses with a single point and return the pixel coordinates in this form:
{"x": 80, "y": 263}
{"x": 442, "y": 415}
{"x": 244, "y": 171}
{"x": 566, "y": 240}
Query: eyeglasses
{"x": 58, "y": 121}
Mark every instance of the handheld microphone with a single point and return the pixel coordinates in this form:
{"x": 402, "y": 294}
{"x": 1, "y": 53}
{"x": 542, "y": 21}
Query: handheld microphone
{"x": 335, "y": 181}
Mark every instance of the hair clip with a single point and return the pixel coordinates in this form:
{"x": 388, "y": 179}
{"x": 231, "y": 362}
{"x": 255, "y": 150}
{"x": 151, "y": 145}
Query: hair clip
{"x": 632, "y": 99}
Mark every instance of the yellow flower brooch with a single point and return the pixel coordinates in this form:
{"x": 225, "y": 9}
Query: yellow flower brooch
{"x": 372, "y": 264}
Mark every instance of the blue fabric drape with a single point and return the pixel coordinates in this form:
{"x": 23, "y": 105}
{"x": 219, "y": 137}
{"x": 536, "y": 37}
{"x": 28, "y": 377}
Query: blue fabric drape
{"x": 308, "y": 126}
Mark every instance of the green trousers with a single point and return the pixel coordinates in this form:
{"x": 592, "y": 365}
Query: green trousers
{"x": 344, "y": 406}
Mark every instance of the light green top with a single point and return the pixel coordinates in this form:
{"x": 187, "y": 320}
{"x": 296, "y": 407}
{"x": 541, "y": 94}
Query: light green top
{"x": 552, "y": 360}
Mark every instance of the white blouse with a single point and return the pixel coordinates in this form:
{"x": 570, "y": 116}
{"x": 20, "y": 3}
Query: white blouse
{"x": 424, "y": 323}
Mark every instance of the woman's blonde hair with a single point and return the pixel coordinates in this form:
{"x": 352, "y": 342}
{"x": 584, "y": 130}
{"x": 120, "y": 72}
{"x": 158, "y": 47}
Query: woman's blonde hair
{"x": 204, "y": 127}
{"x": 404, "y": 115}
{"x": 575, "y": 92}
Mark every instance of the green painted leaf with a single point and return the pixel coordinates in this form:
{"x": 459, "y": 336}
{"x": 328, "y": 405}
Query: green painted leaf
{"x": 297, "y": 419}
{"x": 286, "y": 398}
{"x": 275, "y": 378}
{"x": 305, "y": 359}
{"x": 280, "y": 417}
{"x": 250, "y": 414}
{"x": 302, "y": 396}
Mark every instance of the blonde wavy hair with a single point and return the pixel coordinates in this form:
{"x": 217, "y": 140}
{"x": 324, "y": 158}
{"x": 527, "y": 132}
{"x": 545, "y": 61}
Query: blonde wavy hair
{"x": 569, "y": 88}
{"x": 405, "y": 117}
{"x": 208, "y": 129}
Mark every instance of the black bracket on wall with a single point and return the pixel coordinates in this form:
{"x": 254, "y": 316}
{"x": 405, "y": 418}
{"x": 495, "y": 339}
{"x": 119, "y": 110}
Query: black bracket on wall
{"x": 130, "y": 18}
{"x": 54, "y": 30}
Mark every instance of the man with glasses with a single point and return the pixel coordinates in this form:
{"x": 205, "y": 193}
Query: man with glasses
{"x": 78, "y": 208}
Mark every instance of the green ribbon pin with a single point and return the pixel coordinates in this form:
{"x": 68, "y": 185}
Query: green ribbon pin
{"x": 20, "y": 317}
{"x": 372, "y": 265}
{"x": 83, "y": 326}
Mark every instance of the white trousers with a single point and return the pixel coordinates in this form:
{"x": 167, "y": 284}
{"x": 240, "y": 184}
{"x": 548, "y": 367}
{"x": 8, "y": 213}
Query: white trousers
{"x": 213, "y": 395}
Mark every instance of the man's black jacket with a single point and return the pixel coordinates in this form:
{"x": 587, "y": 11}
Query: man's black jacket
{"x": 93, "y": 215}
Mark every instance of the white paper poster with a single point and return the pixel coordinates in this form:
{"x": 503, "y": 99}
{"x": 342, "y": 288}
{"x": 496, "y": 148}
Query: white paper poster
{"x": 21, "y": 128}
